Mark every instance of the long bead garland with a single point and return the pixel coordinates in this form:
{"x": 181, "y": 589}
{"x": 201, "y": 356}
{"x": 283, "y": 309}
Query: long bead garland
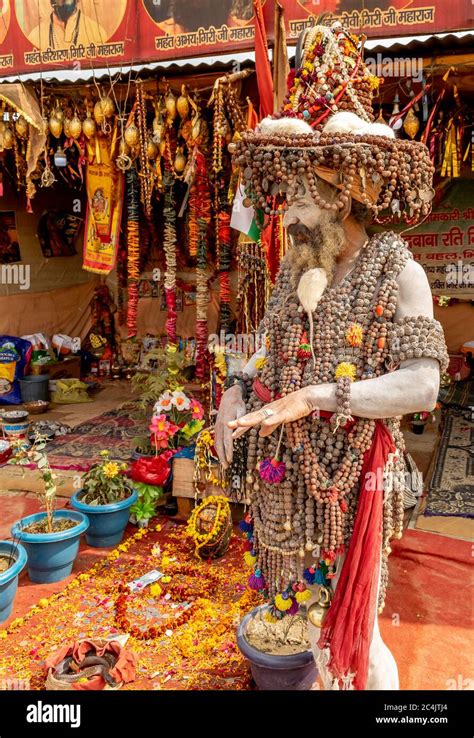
{"x": 133, "y": 250}
{"x": 169, "y": 246}
{"x": 312, "y": 509}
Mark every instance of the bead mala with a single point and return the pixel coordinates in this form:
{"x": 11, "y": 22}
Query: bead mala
{"x": 133, "y": 250}
{"x": 311, "y": 511}
{"x": 169, "y": 247}
{"x": 274, "y": 165}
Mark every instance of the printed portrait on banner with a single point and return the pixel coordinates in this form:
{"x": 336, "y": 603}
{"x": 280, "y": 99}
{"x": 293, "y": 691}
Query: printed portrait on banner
{"x": 60, "y": 24}
{"x": 176, "y": 17}
{"x": 5, "y": 15}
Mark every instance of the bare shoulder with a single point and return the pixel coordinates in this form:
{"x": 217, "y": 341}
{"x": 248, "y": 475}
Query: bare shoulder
{"x": 414, "y": 293}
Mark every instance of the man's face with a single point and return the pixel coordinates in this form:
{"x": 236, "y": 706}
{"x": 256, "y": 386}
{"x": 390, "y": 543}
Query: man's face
{"x": 302, "y": 209}
{"x": 64, "y": 8}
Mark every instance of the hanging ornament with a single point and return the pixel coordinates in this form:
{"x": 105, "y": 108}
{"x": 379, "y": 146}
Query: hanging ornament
{"x": 411, "y": 124}
{"x": 152, "y": 149}
{"x": 6, "y": 139}
{"x": 88, "y": 126}
{"x": 394, "y": 122}
{"x": 21, "y": 127}
{"x": 179, "y": 160}
{"x": 67, "y": 127}
{"x": 182, "y": 104}
{"x": 75, "y": 127}
{"x": 132, "y": 136}
{"x": 55, "y": 125}
{"x": 170, "y": 105}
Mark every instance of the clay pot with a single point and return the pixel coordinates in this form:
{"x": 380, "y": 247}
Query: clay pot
{"x": 103, "y": 109}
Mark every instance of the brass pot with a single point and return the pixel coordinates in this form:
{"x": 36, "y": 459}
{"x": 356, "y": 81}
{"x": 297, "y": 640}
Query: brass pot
{"x": 317, "y": 611}
{"x": 67, "y": 127}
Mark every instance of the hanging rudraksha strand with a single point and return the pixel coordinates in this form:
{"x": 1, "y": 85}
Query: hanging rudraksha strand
{"x": 133, "y": 250}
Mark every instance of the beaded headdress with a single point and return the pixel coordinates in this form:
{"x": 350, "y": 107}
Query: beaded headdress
{"x": 325, "y": 130}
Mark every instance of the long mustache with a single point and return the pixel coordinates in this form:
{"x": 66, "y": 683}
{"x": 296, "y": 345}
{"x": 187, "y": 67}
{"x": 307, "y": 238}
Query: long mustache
{"x": 300, "y": 233}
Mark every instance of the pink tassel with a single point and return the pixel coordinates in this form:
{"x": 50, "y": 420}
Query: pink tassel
{"x": 256, "y": 581}
{"x": 294, "y": 608}
{"x": 272, "y": 471}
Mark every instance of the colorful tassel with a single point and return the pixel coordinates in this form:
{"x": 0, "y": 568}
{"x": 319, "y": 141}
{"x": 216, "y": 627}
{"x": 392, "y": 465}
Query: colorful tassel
{"x": 246, "y": 525}
{"x": 294, "y": 609}
{"x": 304, "y": 349}
{"x": 256, "y": 581}
{"x": 303, "y": 596}
{"x": 250, "y": 558}
{"x": 272, "y": 470}
{"x": 283, "y": 602}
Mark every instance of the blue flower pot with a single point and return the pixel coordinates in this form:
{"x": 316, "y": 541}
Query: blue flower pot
{"x": 107, "y": 523}
{"x": 51, "y": 555}
{"x": 293, "y": 672}
{"x": 9, "y": 578}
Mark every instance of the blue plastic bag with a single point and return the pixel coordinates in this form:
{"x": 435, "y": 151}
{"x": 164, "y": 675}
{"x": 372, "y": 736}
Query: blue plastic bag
{"x": 15, "y": 354}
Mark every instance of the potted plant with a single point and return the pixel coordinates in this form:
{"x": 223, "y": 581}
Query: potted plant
{"x": 144, "y": 508}
{"x": 419, "y": 420}
{"x": 13, "y": 559}
{"x": 278, "y": 651}
{"x": 51, "y": 538}
{"x": 105, "y": 498}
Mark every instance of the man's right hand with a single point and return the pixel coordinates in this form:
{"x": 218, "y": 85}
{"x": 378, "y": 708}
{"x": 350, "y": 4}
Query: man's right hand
{"x": 232, "y": 407}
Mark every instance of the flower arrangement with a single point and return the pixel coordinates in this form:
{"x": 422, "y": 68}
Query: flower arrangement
{"x": 423, "y": 417}
{"x": 105, "y": 482}
{"x": 176, "y": 419}
{"x": 163, "y": 369}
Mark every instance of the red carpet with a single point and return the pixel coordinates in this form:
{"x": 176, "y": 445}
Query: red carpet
{"x": 430, "y": 596}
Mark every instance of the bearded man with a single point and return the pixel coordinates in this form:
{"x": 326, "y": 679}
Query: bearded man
{"x": 351, "y": 346}
{"x": 67, "y": 25}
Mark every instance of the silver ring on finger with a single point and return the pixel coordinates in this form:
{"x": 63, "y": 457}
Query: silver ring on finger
{"x": 267, "y": 412}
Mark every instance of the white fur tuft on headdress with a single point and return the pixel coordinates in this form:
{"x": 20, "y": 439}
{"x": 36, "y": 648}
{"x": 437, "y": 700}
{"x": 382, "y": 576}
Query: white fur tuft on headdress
{"x": 346, "y": 122}
{"x": 284, "y": 127}
{"x": 310, "y": 289}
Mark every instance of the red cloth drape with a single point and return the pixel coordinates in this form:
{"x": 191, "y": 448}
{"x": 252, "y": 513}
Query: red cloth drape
{"x": 262, "y": 63}
{"x": 348, "y": 627}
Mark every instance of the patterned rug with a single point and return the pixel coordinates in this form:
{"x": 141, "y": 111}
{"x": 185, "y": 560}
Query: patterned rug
{"x": 113, "y": 431}
{"x": 458, "y": 393}
{"x": 200, "y": 653}
{"x": 451, "y": 490}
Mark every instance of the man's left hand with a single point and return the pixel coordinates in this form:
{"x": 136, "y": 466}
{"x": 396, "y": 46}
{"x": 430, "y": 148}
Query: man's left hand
{"x": 292, "y": 407}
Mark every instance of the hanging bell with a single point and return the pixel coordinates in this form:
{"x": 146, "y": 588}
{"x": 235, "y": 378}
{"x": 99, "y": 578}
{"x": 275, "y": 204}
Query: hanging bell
{"x": 55, "y": 125}
{"x": 21, "y": 127}
{"x": 318, "y": 610}
{"x": 170, "y": 105}
{"x": 179, "y": 160}
{"x": 182, "y": 104}
{"x": 88, "y": 126}
{"x": 131, "y": 135}
{"x": 75, "y": 127}
{"x": 411, "y": 124}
